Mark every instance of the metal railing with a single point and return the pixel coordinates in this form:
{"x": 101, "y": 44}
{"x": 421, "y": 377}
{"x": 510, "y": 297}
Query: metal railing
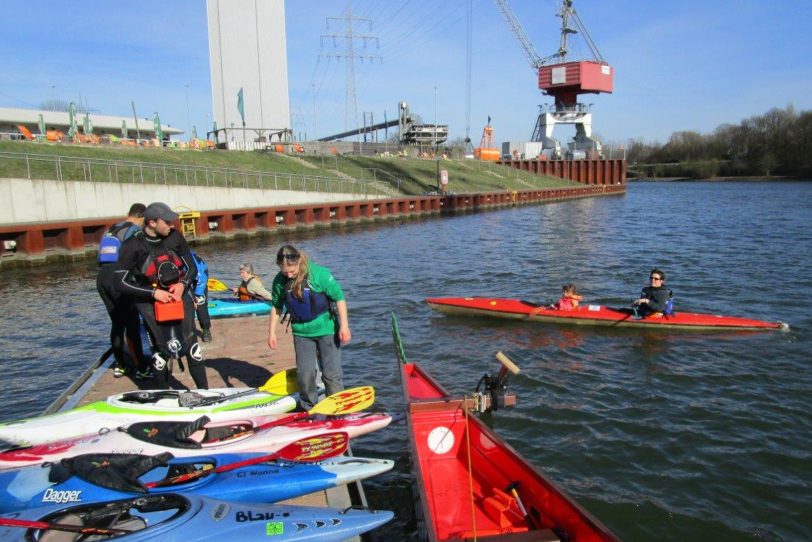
{"x": 64, "y": 168}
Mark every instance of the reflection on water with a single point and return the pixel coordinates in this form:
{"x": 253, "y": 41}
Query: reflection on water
{"x": 663, "y": 435}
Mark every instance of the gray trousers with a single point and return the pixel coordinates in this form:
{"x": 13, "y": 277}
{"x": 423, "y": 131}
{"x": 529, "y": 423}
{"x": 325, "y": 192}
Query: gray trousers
{"x": 314, "y": 354}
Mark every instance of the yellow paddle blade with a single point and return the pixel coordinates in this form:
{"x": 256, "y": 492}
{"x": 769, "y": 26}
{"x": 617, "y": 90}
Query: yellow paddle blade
{"x": 216, "y": 285}
{"x": 346, "y": 401}
{"x": 282, "y": 383}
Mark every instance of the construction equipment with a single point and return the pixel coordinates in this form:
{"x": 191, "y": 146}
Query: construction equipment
{"x": 564, "y": 79}
{"x": 486, "y": 150}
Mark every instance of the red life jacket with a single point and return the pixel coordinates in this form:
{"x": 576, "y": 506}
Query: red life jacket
{"x": 162, "y": 267}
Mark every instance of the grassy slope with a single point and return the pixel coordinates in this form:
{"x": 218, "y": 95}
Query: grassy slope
{"x": 416, "y": 176}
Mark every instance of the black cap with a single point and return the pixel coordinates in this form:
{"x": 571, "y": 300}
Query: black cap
{"x": 160, "y": 210}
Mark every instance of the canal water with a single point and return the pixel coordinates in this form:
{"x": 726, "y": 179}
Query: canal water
{"x": 662, "y": 435}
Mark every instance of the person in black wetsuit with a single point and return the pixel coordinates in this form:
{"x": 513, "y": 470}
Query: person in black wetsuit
{"x": 654, "y": 298}
{"x": 155, "y": 266}
{"x": 123, "y": 315}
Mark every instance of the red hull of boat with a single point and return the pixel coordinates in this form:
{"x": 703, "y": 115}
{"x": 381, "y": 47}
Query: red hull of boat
{"x": 594, "y": 315}
{"x": 464, "y": 470}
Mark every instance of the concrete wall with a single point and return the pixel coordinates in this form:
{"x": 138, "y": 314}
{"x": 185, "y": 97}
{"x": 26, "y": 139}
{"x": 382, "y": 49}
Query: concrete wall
{"x": 23, "y": 201}
{"x": 247, "y": 49}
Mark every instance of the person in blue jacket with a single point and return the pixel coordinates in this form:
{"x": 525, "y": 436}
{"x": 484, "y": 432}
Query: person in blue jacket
{"x": 201, "y": 293}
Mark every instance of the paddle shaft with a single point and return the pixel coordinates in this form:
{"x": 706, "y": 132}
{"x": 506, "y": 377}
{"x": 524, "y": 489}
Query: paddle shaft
{"x": 332, "y": 444}
{"x": 27, "y": 524}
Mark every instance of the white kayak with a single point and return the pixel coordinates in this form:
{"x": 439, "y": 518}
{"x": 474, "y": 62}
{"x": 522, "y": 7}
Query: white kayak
{"x": 185, "y": 439}
{"x": 219, "y": 404}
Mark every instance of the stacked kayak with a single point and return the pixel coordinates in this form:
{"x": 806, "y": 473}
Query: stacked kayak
{"x": 236, "y": 477}
{"x": 219, "y": 404}
{"x": 202, "y": 436}
{"x": 228, "y": 307}
{"x": 179, "y": 518}
{"x": 594, "y": 315}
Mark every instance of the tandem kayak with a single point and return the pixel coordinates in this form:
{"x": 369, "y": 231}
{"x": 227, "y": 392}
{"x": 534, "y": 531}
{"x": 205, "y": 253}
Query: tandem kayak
{"x": 179, "y": 518}
{"x": 107, "y": 477}
{"x": 219, "y": 404}
{"x": 223, "y": 308}
{"x": 470, "y": 483}
{"x": 594, "y": 315}
{"x": 202, "y": 436}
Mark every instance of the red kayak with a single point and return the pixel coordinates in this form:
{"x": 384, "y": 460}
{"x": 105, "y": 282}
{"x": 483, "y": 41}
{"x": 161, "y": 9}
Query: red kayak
{"x": 593, "y": 315}
{"x": 473, "y": 485}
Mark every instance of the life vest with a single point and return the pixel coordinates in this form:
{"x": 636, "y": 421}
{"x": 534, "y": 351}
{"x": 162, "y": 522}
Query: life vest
{"x": 242, "y": 292}
{"x": 110, "y": 244}
{"x": 669, "y": 305}
{"x": 202, "y": 275}
{"x": 163, "y": 267}
{"x": 311, "y": 306}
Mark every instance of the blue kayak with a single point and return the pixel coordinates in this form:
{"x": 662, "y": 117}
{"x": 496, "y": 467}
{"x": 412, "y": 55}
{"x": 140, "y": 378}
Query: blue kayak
{"x": 105, "y": 477}
{"x": 223, "y": 308}
{"x": 175, "y": 517}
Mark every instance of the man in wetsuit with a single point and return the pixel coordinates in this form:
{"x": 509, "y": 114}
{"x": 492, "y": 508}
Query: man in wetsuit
{"x": 155, "y": 266}
{"x": 123, "y": 315}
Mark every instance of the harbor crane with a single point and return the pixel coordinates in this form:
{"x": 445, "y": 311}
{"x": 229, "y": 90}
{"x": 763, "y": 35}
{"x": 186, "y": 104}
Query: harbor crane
{"x": 564, "y": 79}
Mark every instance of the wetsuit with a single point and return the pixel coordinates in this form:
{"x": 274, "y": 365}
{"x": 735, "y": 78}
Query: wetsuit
{"x": 658, "y": 297}
{"x": 171, "y": 339}
{"x": 123, "y": 315}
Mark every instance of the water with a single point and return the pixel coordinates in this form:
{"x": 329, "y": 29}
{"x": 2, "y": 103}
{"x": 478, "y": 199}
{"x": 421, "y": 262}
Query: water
{"x": 662, "y": 435}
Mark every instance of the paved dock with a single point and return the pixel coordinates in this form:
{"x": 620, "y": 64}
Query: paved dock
{"x": 237, "y": 356}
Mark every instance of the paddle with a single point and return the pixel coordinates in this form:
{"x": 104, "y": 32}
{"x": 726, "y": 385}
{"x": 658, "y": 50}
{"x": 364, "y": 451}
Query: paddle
{"x": 216, "y": 285}
{"x": 306, "y": 449}
{"x": 342, "y": 402}
{"x": 28, "y": 524}
{"x": 282, "y": 383}
{"x": 511, "y": 488}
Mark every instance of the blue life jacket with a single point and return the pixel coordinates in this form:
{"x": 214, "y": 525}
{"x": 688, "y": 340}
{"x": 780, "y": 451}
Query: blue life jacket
{"x": 311, "y": 306}
{"x": 669, "y": 305}
{"x": 202, "y": 275}
{"x": 110, "y": 244}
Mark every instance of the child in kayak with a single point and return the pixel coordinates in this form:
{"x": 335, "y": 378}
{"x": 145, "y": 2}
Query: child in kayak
{"x": 569, "y": 298}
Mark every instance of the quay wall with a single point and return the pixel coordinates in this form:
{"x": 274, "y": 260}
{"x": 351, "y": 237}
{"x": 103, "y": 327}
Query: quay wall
{"x": 27, "y": 200}
{"x": 24, "y": 244}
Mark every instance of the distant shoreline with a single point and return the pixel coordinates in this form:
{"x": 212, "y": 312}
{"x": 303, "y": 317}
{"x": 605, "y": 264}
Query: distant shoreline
{"x": 751, "y": 178}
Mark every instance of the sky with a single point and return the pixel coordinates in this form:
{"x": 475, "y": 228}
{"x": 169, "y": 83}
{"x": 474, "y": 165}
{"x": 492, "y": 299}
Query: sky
{"x": 687, "y": 65}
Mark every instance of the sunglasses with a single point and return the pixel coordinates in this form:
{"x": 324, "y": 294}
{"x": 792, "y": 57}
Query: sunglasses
{"x": 655, "y": 278}
{"x": 293, "y": 258}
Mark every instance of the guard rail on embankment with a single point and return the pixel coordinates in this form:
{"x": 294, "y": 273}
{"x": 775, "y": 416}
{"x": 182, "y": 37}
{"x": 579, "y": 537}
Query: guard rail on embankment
{"x": 25, "y": 244}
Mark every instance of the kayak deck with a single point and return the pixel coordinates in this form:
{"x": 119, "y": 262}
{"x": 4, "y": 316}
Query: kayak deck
{"x": 465, "y": 473}
{"x": 594, "y": 315}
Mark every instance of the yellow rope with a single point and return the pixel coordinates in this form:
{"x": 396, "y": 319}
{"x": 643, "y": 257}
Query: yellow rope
{"x": 470, "y": 466}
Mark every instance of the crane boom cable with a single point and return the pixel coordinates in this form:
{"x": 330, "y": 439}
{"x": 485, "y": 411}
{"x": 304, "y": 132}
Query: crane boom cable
{"x": 520, "y": 35}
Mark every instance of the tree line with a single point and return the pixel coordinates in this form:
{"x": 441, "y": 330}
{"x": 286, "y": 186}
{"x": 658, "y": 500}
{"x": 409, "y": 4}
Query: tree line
{"x": 778, "y": 142}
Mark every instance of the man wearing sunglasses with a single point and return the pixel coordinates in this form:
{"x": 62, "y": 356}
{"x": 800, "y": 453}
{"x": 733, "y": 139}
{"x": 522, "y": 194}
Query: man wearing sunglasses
{"x": 654, "y": 299}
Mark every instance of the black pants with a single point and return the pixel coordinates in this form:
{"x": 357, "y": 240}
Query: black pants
{"x": 174, "y": 340}
{"x": 123, "y": 319}
{"x": 202, "y": 310}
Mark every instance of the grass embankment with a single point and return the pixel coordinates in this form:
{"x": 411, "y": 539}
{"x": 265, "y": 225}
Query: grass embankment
{"x": 410, "y": 176}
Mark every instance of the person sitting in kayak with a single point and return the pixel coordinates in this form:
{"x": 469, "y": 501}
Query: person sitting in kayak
{"x": 655, "y": 300}
{"x": 569, "y": 298}
{"x": 251, "y": 286}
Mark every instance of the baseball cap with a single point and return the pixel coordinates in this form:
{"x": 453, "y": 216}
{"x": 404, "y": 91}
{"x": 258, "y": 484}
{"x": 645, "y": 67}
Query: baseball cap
{"x": 160, "y": 210}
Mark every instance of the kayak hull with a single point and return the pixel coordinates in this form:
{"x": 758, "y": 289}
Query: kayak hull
{"x": 269, "y": 481}
{"x": 594, "y": 315}
{"x": 464, "y": 474}
{"x": 180, "y": 518}
{"x": 126, "y": 408}
{"x": 242, "y": 436}
{"x": 226, "y": 308}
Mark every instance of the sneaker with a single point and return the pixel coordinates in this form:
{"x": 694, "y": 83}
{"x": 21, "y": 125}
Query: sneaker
{"x": 119, "y": 371}
{"x": 206, "y": 336}
{"x": 146, "y": 374}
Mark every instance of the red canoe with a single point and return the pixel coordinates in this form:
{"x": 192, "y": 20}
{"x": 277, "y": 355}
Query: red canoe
{"x": 473, "y": 485}
{"x": 593, "y": 315}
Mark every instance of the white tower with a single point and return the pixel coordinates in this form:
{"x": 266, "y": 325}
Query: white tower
{"x": 247, "y": 51}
